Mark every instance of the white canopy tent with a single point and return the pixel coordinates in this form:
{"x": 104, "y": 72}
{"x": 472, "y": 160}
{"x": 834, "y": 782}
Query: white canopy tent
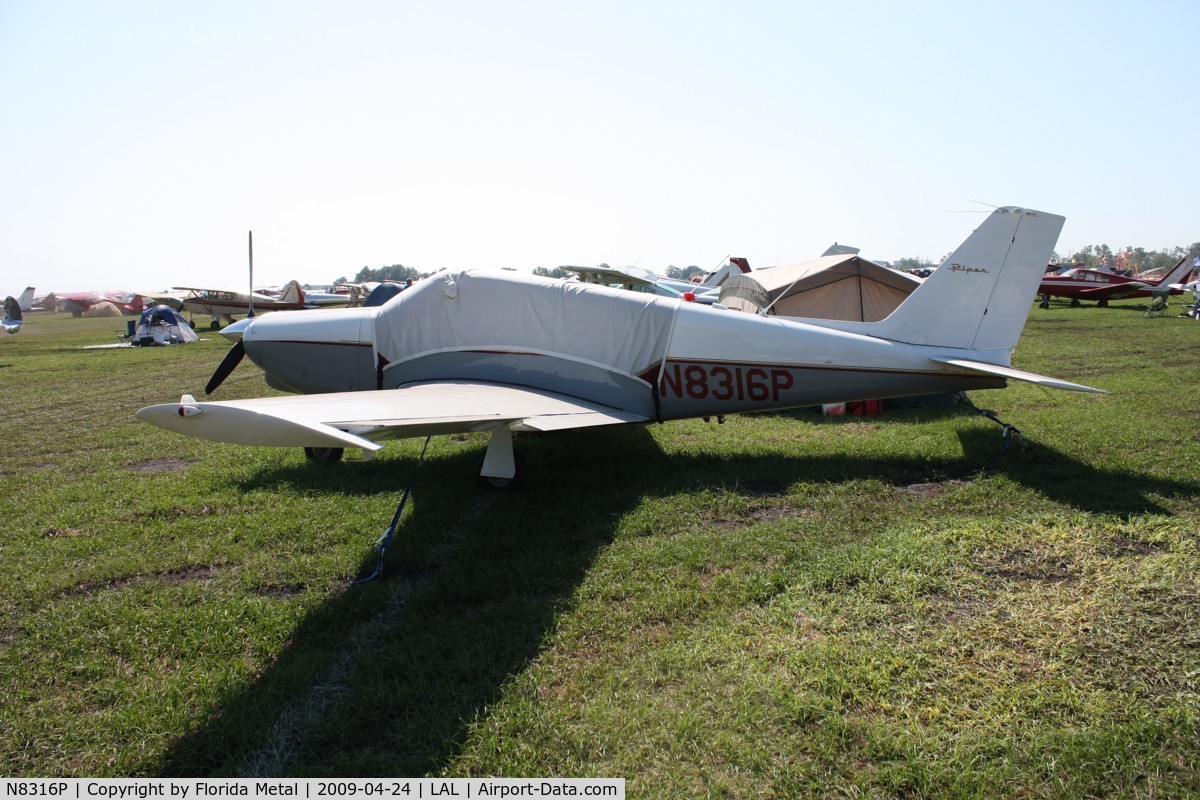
{"x": 842, "y": 286}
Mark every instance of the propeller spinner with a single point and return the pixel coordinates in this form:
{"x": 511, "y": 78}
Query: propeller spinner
{"x": 12, "y": 315}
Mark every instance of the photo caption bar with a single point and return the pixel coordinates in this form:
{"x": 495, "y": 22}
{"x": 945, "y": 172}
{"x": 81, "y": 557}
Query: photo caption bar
{"x": 310, "y": 788}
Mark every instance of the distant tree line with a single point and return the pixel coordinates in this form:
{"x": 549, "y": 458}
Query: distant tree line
{"x": 556, "y": 272}
{"x": 678, "y": 273}
{"x": 1136, "y": 259}
{"x": 685, "y": 273}
{"x": 392, "y": 272}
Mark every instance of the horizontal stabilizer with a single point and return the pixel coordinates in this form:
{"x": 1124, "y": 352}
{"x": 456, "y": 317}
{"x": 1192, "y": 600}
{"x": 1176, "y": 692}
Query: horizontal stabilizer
{"x": 1015, "y": 374}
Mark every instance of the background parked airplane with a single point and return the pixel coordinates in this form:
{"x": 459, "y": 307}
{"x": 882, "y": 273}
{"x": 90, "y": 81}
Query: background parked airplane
{"x": 78, "y": 303}
{"x": 1093, "y": 284}
{"x": 25, "y": 299}
{"x": 637, "y": 279}
{"x": 227, "y": 303}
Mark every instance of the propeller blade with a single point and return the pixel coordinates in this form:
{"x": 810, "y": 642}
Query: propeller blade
{"x": 227, "y": 365}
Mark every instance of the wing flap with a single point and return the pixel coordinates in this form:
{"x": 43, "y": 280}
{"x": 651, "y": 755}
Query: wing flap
{"x": 362, "y": 419}
{"x": 558, "y": 422}
{"x": 1015, "y": 374}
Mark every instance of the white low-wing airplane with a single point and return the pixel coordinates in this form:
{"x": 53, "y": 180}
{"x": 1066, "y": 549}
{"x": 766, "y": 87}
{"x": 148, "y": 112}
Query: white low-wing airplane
{"x": 498, "y": 352}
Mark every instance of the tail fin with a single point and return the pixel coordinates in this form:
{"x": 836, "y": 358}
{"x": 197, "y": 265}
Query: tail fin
{"x": 979, "y": 297}
{"x": 25, "y": 301}
{"x": 1178, "y": 273}
{"x": 292, "y": 293}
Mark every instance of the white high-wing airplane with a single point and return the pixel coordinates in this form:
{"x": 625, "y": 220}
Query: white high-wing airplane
{"x": 224, "y": 303}
{"x": 500, "y": 352}
{"x": 636, "y": 279}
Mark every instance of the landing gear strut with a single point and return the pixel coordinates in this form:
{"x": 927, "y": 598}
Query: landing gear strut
{"x": 499, "y": 467}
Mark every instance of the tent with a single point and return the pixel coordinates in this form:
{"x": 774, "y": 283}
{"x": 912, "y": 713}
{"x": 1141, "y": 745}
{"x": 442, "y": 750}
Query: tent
{"x": 160, "y": 325}
{"x": 102, "y": 309}
{"x": 841, "y": 286}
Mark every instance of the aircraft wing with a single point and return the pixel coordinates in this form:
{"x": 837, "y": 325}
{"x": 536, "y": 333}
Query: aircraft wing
{"x": 1014, "y": 374}
{"x": 1115, "y": 291}
{"x": 362, "y": 419}
{"x": 632, "y": 275}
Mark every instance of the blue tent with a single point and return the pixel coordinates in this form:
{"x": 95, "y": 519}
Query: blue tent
{"x": 161, "y": 325}
{"x": 382, "y": 293}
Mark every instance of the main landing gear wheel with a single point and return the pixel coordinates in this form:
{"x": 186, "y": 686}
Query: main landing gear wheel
{"x": 324, "y": 455}
{"x": 493, "y": 482}
{"x": 500, "y": 468}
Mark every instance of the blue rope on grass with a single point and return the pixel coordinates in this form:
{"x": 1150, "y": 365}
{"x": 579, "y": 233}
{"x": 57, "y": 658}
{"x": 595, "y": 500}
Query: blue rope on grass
{"x": 382, "y": 544}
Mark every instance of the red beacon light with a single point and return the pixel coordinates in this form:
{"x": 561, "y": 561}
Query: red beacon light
{"x": 689, "y": 297}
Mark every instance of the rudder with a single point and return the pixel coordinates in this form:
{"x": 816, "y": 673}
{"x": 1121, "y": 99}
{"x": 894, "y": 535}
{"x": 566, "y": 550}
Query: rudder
{"x": 979, "y": 298}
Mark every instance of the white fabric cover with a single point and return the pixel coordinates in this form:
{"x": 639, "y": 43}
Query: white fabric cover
{"x": 627, "y": 332}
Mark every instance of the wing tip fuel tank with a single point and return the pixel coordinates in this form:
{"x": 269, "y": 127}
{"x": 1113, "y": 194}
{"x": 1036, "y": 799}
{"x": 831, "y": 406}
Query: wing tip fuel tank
{"x": 219, "y": 422}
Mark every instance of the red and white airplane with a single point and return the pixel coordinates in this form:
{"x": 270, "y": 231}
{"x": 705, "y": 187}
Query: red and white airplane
{"x": 1093, "y": 284}
{"x": 501, "y": 352}
{"x": 79, "y": 302}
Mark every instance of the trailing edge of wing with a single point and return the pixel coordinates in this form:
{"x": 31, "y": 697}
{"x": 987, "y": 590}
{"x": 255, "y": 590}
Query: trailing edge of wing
{"x": 1015, "y": 374}
{"x": 1115, "y": 291}
{"x": 361, "y": 419}
{"x": 576, "y": 419}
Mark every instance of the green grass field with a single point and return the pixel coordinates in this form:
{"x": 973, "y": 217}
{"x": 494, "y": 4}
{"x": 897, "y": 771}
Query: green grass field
{"x": 781, "y": 606}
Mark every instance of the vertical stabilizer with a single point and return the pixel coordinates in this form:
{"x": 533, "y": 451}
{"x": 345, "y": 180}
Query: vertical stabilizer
{"x": 25, "y": 301}
{"x": 292, "y": 293}
{"x": 979, "y": 297}
{"x": 1178, "y": 273}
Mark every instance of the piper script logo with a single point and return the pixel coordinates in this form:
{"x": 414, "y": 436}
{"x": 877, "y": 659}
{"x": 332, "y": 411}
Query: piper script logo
{"x": 961, "y": 268}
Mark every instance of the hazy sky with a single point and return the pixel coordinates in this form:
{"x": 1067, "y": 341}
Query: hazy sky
{"x": 140, "y": 141}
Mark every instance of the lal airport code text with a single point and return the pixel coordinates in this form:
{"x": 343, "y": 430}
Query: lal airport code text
{"x": 312, "y": 789}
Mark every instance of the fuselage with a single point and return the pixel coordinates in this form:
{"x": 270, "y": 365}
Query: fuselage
{"x": 79, "y": 302}
{"x": 221, "y": 303}
{"x": 707, "y": 360}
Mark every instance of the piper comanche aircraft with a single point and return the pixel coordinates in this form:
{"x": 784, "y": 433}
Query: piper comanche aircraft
{"x": 1101, "y": 286}
{"x": 501, "y": 353}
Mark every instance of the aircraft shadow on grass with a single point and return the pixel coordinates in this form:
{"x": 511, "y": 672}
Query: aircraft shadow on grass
{"x": 396, "y": 671}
